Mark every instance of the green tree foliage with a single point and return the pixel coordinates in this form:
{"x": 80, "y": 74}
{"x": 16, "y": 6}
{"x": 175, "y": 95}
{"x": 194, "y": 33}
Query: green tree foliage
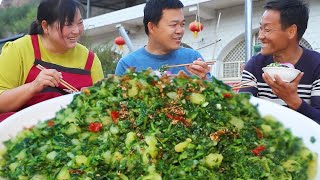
{"x": 15, "y": 20}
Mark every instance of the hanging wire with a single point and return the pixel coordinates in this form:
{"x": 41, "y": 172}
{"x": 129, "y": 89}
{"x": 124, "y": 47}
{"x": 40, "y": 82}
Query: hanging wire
{"x": 198, "y": 16}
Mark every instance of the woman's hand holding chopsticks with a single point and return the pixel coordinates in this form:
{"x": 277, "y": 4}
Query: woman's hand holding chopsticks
{"x": 70, "y": 88}
{"x": 46, "y": 77}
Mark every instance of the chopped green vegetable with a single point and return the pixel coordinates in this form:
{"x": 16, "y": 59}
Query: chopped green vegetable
{"x": 142, "y": 126}
{"x": 277, "y": 64}
{"x": 163, "y": 68}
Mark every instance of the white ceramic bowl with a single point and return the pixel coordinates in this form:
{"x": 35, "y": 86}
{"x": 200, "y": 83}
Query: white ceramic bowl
{"x": 286, "y": 74}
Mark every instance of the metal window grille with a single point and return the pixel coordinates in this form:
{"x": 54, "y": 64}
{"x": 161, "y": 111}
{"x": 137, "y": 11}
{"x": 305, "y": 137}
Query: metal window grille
{"x": 232, "y": 62}
{"x": 232, "y": 69}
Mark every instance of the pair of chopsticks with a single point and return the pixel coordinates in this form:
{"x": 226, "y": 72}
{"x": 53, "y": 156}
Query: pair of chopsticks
{"x": 63, "y": 82}
{"x": 242, "y": 85}
{"x": 187, "y": 64}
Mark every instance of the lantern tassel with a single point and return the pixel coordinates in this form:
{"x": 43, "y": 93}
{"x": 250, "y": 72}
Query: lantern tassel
{"x": 120, "y": 47}
{"x": 195, "y": 34}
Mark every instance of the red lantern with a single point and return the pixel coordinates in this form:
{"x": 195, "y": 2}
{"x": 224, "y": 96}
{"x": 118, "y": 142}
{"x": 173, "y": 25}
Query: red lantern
{"x": 119, "y": 41}
{"x": 195, "y": 27}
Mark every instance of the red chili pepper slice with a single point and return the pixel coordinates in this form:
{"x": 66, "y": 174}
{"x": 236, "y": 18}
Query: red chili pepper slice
{"x": 75, "y": 171}
{"x": 114, "y": 116}
{"x": 179, "y": 118}
{"x": 50, "y": 123}
{"x": 256, "y": 151}
{"x": 259, "y": 133}
{"x": 169, "y": 116}
{"x": 227, "y": 95}
{"x": 95, "y": 127}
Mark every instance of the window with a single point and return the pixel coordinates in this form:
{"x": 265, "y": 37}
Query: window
{"x": 233, "y": 61}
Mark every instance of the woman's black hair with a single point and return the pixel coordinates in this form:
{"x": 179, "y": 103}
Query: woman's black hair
{"x": 55, "y": 10}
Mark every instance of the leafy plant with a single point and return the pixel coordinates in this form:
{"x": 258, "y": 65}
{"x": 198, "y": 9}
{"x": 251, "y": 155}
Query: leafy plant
{"x": 106, "y": 52}
{"x": 108, "y": 57}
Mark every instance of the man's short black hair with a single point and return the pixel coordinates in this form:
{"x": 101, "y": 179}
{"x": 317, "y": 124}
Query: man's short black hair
{"x": 153, "y": 10}
{"x": 291, "y": 12}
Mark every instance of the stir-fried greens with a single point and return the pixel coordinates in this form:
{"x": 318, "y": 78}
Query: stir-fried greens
{"x": 277, "y": 64}
{"x": 163, "y": 68}
{"x": 141, "y": 126}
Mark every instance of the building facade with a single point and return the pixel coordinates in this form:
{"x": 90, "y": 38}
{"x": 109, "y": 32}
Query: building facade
{"x": 223, "y": 36}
